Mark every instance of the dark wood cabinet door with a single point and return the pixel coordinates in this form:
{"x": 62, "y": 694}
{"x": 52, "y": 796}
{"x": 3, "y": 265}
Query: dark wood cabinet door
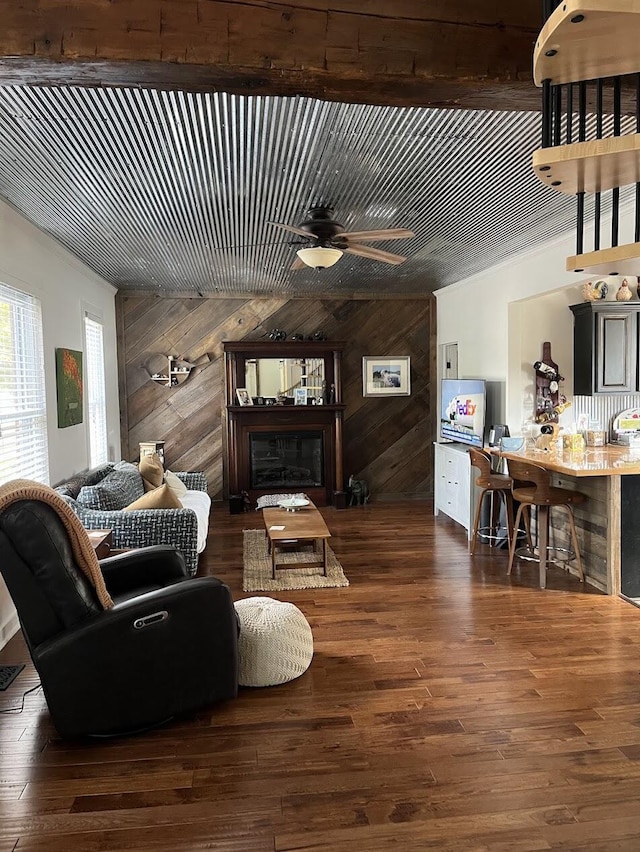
{"x": 616, "y": 352}
{"x": 606, "y": 345}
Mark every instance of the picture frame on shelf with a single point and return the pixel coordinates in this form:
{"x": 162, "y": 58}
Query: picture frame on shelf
{"x": 243, "y": 396}
{"x": 386, "y": 375}
{"x": 300, "y": 396}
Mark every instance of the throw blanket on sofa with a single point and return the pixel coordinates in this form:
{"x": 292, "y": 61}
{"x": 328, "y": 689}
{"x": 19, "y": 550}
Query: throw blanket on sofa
{"x": 83, "y": 552}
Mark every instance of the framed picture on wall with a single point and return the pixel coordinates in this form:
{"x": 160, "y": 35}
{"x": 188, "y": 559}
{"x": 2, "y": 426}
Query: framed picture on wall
{"x": 69, "y": 387}
{"x": 243, "y": 396}
{"x": 385, "y": 375}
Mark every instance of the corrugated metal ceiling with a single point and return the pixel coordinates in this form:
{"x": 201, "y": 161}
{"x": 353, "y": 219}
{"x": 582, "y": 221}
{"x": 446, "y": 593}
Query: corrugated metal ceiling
{"x": 172, "y": 192}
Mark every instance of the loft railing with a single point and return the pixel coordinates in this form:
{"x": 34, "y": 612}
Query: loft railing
{"x": 598, "y": 118}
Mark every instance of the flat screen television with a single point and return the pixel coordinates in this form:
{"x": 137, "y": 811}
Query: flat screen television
{"x": 462, "y": 412}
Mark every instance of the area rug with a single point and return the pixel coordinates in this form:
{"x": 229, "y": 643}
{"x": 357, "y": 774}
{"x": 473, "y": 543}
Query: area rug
{"x": 257, "y": 568}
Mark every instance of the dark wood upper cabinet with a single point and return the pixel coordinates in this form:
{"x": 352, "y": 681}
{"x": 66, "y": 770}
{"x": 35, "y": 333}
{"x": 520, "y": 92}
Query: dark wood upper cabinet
{"x": 605, "y": 348}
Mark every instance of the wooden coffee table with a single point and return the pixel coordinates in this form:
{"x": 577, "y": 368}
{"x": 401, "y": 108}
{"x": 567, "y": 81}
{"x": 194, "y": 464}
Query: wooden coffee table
{"x": 304, "y": 525}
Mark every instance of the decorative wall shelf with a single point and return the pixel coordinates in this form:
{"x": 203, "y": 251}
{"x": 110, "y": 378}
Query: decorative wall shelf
{"x": 178, "y": 370}
{"x": 619, "y": 260}
{"x": 587, "y": 40}
{"x": 593, "y": 166}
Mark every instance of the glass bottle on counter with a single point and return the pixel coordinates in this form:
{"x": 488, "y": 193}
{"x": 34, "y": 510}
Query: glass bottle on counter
{"x": 595, "y": 435}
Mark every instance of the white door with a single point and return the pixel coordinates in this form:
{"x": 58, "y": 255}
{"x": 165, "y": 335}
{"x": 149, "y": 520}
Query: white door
{"x": 450, "y": 361}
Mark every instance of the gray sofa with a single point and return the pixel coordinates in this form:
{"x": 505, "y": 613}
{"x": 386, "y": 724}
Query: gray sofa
{"x": 98, "y": 497}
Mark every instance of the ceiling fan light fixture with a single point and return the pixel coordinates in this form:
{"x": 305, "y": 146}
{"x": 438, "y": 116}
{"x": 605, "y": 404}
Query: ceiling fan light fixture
{"x": 319, "y": 257}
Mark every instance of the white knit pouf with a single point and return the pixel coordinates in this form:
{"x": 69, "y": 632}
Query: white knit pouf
{"x": 275, "y": 643}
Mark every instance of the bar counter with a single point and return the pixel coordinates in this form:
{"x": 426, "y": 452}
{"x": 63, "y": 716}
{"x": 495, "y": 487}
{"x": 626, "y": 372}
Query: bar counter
{"x": 608, "y": 522}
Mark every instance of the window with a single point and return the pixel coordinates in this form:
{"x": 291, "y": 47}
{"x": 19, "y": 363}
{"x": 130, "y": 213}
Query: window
{"x": 96, "y": 395}
{"x": 23, "y": 413}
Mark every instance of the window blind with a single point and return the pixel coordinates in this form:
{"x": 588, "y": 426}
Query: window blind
{"x": 96, "y": 394}
{"x": 23, "y": 413}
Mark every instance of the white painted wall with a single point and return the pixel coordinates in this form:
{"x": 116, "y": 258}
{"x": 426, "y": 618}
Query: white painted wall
{"x": 531, "y": 322}
{"x": 36, "y": 264}
{"x": 501, "y": 317}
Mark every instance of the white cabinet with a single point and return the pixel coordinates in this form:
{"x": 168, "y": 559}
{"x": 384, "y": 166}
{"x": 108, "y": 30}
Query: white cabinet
{"x": 452, "y": 483}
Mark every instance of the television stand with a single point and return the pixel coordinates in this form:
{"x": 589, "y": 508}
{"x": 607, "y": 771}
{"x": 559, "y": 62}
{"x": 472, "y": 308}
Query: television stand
{"x": 452, "y": 483}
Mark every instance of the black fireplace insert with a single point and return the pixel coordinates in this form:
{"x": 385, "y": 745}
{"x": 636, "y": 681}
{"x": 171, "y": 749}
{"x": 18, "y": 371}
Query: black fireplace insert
{"x": 286, "y": 459}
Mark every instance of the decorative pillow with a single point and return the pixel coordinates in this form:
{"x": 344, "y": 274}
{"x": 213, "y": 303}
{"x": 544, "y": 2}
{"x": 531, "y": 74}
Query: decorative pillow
{"x": 151, "y": 470}
{"x": 71, "y": 487}
{"x": 175, "y": 484}
{"x": 119, "y": 488}
{"x": 160, "y": 498}
{"x": 97, "y": 474}
{"x": 107, "y": 498}
{"x": 68, "y": 499}
{"x": 125, "y": 465}
{"x": 267, "y": 500}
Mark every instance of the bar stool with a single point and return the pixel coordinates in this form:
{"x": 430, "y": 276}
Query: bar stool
{"x": 532, "y": 487}
{"x": 491, "y": 483}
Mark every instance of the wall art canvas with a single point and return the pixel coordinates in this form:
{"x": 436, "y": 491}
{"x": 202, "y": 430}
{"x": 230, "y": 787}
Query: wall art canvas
{"x": 69, "y": 387}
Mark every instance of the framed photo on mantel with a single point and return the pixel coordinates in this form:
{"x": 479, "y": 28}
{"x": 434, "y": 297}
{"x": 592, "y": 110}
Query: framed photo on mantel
{"x": 243, "y": 396}
{"x": 300, "y": 396}
{"x": 386, "y": 375}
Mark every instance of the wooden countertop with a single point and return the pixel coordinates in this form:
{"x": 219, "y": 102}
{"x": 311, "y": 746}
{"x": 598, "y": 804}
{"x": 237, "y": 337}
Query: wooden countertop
{"x": 593, "y": 461}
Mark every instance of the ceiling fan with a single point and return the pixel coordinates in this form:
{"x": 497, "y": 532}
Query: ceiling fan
{"x": 329, "y": 241}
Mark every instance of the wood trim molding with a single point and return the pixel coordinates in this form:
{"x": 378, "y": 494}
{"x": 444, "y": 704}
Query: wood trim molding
{"x": 121, "y": 343}
{"x": 614, "y": 510}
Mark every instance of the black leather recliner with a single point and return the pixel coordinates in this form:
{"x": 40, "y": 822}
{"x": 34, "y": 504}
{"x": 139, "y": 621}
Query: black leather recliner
{"x": 168, "y": 646}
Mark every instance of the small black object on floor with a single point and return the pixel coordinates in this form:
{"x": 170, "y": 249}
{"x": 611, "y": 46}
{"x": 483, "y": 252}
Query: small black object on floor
{"x": 8, "y": 674}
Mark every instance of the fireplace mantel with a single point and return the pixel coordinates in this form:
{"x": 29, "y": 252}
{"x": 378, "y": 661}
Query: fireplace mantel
{"x": 242, "y": 421}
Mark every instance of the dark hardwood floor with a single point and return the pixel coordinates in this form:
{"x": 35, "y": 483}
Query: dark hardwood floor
{"x": 447, "y": 707}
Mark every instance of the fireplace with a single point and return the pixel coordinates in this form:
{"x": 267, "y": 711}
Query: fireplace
{"x": 284, "y": 448}
{"x": 286, "y": 460}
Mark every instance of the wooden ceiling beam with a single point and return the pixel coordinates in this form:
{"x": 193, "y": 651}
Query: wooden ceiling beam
{"x": 406, "y": 53}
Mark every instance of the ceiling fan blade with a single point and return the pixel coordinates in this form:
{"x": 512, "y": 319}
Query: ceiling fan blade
{"x": 297, "y": 264}
{"x": 390, "y": 234}
{"x": 292, "y": 229}
{"x": 375, "y": 254}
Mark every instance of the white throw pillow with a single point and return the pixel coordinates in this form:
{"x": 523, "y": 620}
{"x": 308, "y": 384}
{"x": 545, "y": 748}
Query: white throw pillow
{"x": 200, "y": 503}
{"x": 266, "y": 501}
{"x": 175, "y": 484}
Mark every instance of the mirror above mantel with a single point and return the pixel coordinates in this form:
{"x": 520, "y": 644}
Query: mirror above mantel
{"x": 275, "y": 369}
{"x": 269, "y": 377}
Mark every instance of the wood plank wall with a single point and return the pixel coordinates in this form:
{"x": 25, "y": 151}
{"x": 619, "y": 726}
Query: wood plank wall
{"x": 592, "y": 522}
{"x": 387, "y": 441}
